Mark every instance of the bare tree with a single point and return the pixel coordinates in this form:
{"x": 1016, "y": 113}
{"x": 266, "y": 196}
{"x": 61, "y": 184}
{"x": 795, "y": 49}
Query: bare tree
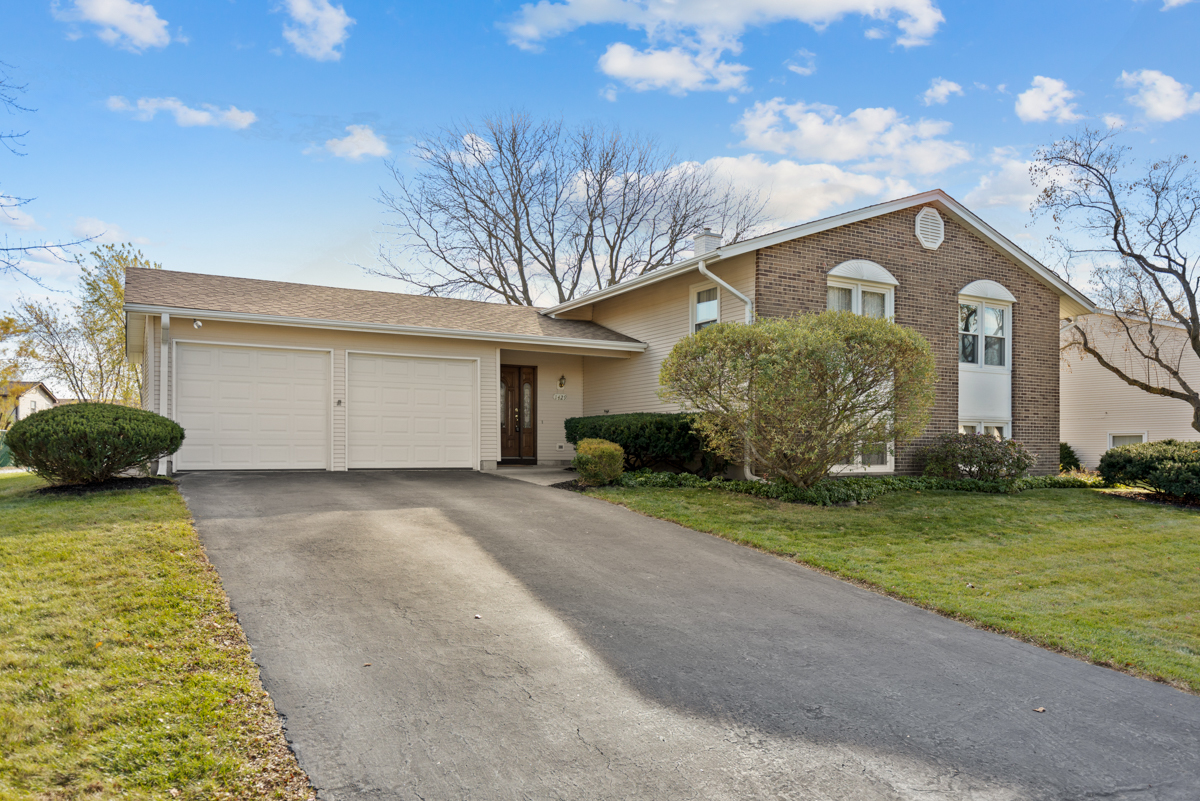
{"x": 1138, "y": 236}
{"x": 13, "y": 254}
{"x": 82, "y": 345}
{"x": 517, "y": 209}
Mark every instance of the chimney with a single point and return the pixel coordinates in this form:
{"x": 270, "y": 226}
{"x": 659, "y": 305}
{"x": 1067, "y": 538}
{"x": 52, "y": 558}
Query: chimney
{"x": 705, "y": 242}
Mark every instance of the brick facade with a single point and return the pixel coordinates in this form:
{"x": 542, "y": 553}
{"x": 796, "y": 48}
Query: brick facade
{"x": 791, "y": 277}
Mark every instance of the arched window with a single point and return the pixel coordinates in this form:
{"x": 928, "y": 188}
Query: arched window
{"x": 862, "y": 287}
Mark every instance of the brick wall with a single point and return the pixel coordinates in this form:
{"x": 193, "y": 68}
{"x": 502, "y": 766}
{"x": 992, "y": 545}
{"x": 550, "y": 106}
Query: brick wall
{"x": 790, "y": 278}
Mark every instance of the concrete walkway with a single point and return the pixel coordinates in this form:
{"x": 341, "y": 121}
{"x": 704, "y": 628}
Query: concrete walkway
{"x": 541, "y": 474}
{"x": 446, "y": 635}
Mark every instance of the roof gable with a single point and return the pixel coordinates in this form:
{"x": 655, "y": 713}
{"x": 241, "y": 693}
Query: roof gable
{"x": 1072, "y": 301}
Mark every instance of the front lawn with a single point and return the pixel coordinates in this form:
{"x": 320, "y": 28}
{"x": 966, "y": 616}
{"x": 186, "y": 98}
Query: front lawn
{"x": 1111, "y": 580}
{"x": 122, "y": 670}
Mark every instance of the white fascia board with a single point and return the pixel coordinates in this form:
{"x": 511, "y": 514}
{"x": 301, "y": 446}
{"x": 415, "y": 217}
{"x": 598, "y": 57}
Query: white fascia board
{"x": 384, "y": 328}
{"x": 935, "y": 196}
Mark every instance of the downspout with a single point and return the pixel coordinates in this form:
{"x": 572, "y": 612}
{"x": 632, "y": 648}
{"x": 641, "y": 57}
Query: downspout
{"x": 749, "y": 470}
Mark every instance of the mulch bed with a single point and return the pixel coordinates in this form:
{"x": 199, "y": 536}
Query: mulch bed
{"x": 1161, "y": 500}
{"x": 105, "y": 486}
{"x": 571, "y": 486}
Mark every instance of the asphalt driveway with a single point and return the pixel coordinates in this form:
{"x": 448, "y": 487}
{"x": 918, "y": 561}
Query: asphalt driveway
{"x": 616, "y": 656}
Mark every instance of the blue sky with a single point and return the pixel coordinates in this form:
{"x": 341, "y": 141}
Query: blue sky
{"x": 248, "y": 137}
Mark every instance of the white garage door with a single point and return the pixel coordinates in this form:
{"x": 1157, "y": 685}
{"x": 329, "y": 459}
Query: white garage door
{"x": 252, "y": 408}
{"x": 410, "y": 412}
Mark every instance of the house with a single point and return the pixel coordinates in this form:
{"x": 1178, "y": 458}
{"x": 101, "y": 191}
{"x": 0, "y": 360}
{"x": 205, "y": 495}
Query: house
{"x": 19, "y": 399}
{"x": 265, "y": 375}
{"x": 1101, "y": 411}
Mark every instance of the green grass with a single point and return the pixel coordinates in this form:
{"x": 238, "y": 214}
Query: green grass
{"x": 1111, "y": 580}
{"x": 122, "y": 671}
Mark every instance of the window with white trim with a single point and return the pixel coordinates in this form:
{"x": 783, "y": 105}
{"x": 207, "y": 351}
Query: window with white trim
{"x": 867, "y": 299}
{"x": 706, "y": 307}
{"x": 1117, "y": 440}
{"x": 870, "y": 458}
{"x": 984, "y": 333}
{"x": 992, "y": 429}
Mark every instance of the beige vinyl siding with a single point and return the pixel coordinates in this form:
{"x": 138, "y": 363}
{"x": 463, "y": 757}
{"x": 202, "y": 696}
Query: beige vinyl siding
{"x": 659, "y": 315}
{"x": 1095, "y": 404}
{"x": 551, "y": 412}
{"x": 250, "y": 335}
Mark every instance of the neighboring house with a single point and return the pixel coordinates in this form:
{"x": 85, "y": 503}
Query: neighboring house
{"x": 1101, "y": 411}
{"x": 272, "y": 375}
{"x": 19, "y": 399}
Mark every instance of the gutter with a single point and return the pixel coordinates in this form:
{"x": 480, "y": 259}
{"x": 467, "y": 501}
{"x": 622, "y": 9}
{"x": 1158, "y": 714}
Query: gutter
{"x": 710, "y": 276}
{"x": 339, "y": 325}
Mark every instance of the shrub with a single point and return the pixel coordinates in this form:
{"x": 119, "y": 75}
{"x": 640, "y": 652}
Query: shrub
{"x": 648, "y": 439}
{"x": 5, "y": 453}
{"x": 89, "y": 442}
{"x": 857, "y": 489}
{"x": 793, "y": 397}
{"x": 977, "y": 456}
{"x": 598, "y": 461}
{"x": 1167, "y": 467}
{"x": 1068, "y": 460}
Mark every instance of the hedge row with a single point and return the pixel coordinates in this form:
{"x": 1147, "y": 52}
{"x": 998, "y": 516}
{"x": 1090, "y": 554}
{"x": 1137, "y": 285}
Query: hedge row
{"x": 1167, "y": 467}
{"x": 857, "y": 488}
{"x": 648, "y": 439}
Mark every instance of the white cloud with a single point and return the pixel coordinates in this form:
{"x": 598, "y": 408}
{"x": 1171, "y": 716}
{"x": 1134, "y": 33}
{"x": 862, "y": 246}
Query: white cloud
{"x": 122, "y": 23}
{"x": 874, "y": 138}
{"x": 1114, "y": 120}
{"x": 687, "y": 38}
{"x": 1162, "y": 97}
{"x": 320, "y": 28}
{"x": 1047, "y": 97}
{"x": 800, "y": 192}
{"x": 103, "y": 233}
{"x": 675, "y": 69}
{"x": 609, "y": 93}
{"x": 359, "y": 143}
{"x": 939, "y": 92}
{"x": 1010, "y": 185}
{"x": 208, "y": 115}
{"x": 805, "y": 63}
{"x": 1169, "y": 4}
{"x": 13, "y": 216}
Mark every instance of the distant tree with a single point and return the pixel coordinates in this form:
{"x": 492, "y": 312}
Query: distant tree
{"x": 82, "y": 345}
{"x": 514, "y": 209}
{"x": 1138, "y": 236}
{"x": 10, "y": 368}
{"x": 13, "y": 254}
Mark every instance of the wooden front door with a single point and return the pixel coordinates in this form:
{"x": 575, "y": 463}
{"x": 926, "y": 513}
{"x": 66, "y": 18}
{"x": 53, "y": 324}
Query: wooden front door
{"x": 518, "y": 414}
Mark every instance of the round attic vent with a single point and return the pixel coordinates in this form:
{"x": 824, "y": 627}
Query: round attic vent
{"x": 931, "y": 229}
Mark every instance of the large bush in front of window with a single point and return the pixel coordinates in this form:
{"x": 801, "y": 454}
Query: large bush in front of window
{"x": 796, "y": 397}
{"x": 89, "y": 442}
{"x": 1167, "y": 467}
{"x": 978, "y": 456}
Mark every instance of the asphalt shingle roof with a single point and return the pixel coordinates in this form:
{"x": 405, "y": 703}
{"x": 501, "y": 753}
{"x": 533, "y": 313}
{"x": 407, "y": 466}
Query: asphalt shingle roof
{"x": 218, "y": 293}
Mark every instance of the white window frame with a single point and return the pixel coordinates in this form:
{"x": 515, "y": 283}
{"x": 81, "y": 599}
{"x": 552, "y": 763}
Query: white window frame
{"x": 1145, "y": 435}
{"x": 694, "y": 290}
{"x": 858, "y": 468}
{"x": 979, "y": 424}
{"x": 979, "y": 304}
{"x": 887, "y": 290}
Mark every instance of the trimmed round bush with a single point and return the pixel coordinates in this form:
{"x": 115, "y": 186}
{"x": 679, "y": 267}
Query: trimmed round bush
{"x": 89, "y": 442}
{"x": 1167, "y": 467}
{"x": 598, "y": 461}
{"x": 977, "y": 456}
{"x": 1068, "y": 460}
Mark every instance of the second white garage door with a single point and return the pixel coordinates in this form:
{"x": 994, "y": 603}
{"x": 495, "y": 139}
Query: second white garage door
{"x": 406, "y": 411}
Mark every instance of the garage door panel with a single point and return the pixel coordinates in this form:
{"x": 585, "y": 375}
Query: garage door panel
{"x": 252, "y": 408}
{"x": 406, "y": 405}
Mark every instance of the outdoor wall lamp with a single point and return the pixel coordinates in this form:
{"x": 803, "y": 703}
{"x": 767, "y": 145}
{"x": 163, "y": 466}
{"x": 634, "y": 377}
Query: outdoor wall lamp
{"x": 196, "y": 324}
{"x": 562, "y": 381}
